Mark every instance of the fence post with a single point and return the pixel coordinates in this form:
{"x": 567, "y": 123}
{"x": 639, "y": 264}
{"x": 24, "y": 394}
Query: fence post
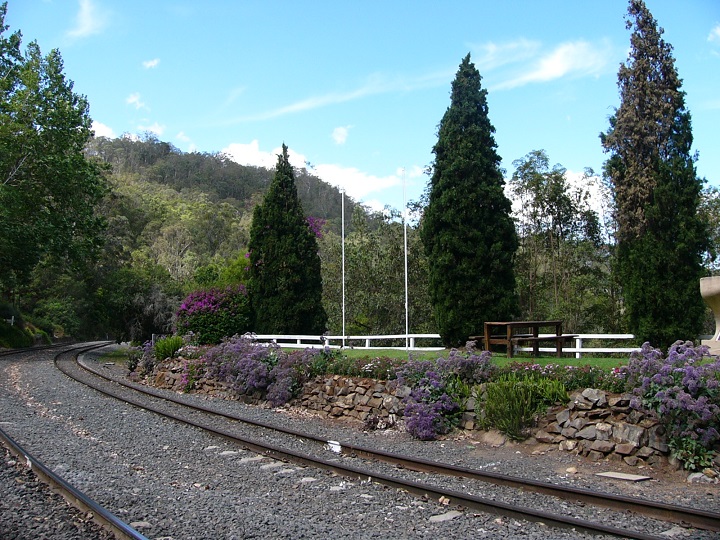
{"x": 578, "y": 345}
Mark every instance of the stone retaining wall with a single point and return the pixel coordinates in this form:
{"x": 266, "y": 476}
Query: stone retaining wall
{"x": 601, "y": 426}
{"x": 594, "y": 424}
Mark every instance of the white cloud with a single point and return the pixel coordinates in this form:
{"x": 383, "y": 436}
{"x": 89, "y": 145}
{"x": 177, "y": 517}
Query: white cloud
{"x": 340, "y": 134}
{"x": 89, "y": 20}
{"x": 149, "y": 64}
{"x": 493, "y": 55}
{"x": 715, "y": 34}
{"x": 101, "y": 130}
{"x": 134, "y": 99}
{"x": 155, "y": 128}
{"x": 357, "y": 184}
{"x": 190, "y": 145}
{"x": 250, "y": 154}
{"x": 577, "y": 59}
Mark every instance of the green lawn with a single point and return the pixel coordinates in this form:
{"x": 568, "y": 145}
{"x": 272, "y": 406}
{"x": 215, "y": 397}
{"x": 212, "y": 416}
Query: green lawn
{"x": 498, "y": 358}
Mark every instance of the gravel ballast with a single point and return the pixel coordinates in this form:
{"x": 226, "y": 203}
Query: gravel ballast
{"x": 174, "y": 482}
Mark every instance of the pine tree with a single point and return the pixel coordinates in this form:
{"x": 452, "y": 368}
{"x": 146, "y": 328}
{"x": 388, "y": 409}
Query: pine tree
{"x": 467, "y": 231}
{"x": 285, "y": 283}
{"x": 660, "y": 236}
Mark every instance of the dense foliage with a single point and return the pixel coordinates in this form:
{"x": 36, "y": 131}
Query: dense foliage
{"x": 661, "y": 237}
{"x": 562, "y": 263}
{"x": 468, "y": 233}
{"x": 212, "y": 315}
{"x": 285, "y": 281}
{"x": 49, "y": 190}
{"x": 683, "y": 388}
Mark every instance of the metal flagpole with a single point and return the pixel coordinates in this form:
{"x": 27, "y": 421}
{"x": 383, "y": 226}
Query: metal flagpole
{"x": 407, "y": 316}
{"x": 342, "y": 218}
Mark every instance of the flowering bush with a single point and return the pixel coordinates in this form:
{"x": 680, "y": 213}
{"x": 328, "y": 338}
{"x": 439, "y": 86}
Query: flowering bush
{"x": 250, "y": 367}
{"x": 439, "y": 390}
{"x": 214, "y": 314}
{"x": 683, "y": 388}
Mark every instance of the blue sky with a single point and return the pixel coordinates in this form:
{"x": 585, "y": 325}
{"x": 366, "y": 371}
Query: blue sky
{"x": 357, "y": 89}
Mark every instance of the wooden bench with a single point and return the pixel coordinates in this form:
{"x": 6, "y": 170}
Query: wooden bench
{"x": 517, "y": 332}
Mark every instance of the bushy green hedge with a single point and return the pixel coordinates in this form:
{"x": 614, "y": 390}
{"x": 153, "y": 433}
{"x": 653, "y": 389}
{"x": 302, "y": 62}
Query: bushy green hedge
{"x": 214, "y": 314}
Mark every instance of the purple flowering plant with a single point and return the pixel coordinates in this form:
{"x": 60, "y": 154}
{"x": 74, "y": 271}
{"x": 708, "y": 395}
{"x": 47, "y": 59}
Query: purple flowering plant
{"x": 439, "y": 390}
{"x": 683, "y": 388}
{"x": 213, "y": 314}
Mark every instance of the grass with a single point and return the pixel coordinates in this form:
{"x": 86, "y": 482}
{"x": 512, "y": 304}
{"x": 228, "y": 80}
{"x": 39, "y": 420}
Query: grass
{"x": 498, "y": 358}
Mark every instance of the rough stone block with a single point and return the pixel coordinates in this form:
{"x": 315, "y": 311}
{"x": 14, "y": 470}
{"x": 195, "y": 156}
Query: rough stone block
{"x": 657, "y": 438}
{"x": 603, "y": 446}
{"x": 595, "y": 396}
{"x": 625, "y": 449}
{"x": 629, "y": 433}
{"x": 562, "y": 417}
{"x": 588, "y": 432}
{"x": 603, "y": 431}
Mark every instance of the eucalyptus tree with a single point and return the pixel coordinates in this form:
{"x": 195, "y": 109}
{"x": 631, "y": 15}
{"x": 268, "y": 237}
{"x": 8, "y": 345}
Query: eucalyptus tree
{"x": 660, "y": 236}
{"x": 562, "y": 265}
{"x": 285, "y": 283}
{"x": 467, "y": 230}
{"x": 49, "y": 189}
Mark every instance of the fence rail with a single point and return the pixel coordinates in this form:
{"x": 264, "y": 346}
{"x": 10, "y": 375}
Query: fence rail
{"x": 352, "y": 341}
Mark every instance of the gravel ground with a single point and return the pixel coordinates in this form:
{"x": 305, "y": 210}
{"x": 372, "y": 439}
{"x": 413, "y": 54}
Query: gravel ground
{"x": 175, "y": 482}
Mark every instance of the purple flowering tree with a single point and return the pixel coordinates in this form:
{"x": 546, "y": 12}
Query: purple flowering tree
{"x": 214, "y": 314}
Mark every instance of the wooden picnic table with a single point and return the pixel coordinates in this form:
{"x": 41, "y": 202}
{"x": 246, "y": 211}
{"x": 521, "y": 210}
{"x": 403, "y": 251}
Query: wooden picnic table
{"x": 512, "y": 333}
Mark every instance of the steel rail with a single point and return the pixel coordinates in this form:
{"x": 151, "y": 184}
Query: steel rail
{"x": 699, "y": 518}
{"x": 421, "y": 489}
{"x": 70, "y": 493}
{"x": 417, "y": 488}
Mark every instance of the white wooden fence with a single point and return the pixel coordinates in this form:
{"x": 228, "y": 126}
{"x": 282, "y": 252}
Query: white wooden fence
{"x": 295, "y": 341}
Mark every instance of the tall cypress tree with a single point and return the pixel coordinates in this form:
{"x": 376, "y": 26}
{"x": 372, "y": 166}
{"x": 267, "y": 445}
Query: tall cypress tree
{"x": 660, "y": 236}
{"x": 467, "y": 231}
{"x": 285, "y": 282}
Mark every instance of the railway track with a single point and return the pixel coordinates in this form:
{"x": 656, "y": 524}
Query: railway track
{"x": 225, "y": 425}
{"x": 57, "y": 483}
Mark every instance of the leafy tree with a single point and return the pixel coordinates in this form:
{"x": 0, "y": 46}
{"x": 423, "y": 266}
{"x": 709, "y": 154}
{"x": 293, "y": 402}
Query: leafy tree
{"x": 49, "y": 189}
{"x": 562, "y": 265}
{"x": 285, "y": 283}
{"x": 375, "y": 278}
{"x": 660, "y": 236}
{"x": 467, "y": 230}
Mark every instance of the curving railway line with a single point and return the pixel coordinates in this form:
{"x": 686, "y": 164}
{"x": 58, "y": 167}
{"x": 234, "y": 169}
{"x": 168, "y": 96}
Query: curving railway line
{"x": 461, "y": 486}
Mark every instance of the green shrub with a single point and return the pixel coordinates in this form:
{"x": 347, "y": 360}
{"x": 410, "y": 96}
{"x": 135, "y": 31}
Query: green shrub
{"x": 214, "y": 314}
{"x": 511, "y": 403}
{"x": 168, "y": 347}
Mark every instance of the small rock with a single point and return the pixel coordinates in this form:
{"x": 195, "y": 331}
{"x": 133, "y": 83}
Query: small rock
{"x": 571, "y": 470}
{"x": 447, "y": 516}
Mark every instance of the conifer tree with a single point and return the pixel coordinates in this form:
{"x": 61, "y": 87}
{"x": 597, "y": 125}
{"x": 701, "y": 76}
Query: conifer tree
{"x": 660, "y": 236}
{"x": 285, "y": 282}
{"x": 467, "y": 231}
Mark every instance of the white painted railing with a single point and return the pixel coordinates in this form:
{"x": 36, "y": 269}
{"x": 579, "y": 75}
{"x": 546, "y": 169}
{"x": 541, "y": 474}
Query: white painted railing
{"x": 578, "y": 349}
{"x": 295, "y": 341}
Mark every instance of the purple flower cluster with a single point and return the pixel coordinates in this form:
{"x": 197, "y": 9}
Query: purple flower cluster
{"x": 682, "y": 387}
{"x": 253, "y": 368}
{"x": 208, "y": 301}
{"x": 439, "y": 389}
{"x": 316, "y": 225}
{"x": 213, "y": 314}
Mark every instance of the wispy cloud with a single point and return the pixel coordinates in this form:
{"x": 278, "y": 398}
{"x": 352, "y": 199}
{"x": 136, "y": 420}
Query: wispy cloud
{"x": 190, "y": 145}
{"x": 714, "y": 36}
{"x": 157, "y": 129}
{"x": 149, "y": 64}
{"x": 340, "y": 134}
{"x": 489, "y": 56}
{"x": 374, "y": 85}
{"x": 572, "y": 59}
{"x": 89, "y": 20}
{"x": 134, "y": 99}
